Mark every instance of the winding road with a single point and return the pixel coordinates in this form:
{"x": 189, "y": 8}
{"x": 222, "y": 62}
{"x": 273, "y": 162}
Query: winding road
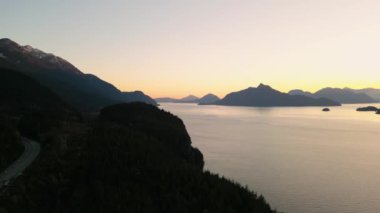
{"x": 32, "y": 149}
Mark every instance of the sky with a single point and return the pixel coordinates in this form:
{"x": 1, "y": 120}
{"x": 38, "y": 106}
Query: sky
{"x": 179, "y": 47}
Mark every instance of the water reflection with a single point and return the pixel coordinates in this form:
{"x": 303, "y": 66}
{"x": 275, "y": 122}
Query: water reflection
{"x": 300, "y": 159}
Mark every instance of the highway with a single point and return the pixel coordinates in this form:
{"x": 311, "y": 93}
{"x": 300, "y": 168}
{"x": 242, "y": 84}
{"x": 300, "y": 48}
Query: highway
{"x": 31, "y": 151}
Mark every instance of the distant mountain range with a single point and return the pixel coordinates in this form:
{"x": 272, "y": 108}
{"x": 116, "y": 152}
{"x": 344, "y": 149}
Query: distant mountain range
{"x": 344, "y": 96}
{"x": 126, "y": 155}
{"x": 83, "y": 91}
{"x": 187, "y": 99}
{"x": 207, "y": 99}
{"x": 264, "y": 96}
{"x": 371, "y": 92}
{"x": 88, "y": 92}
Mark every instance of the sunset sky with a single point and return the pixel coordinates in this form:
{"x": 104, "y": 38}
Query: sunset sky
{"x": 180, "y": 47}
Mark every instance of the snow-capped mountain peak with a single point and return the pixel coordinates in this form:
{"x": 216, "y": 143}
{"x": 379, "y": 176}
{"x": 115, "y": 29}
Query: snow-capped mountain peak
{"x": 36, "y": 52}
{"x": 12, "y": 52}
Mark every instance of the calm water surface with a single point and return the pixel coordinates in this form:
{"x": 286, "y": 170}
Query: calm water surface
{"x": 300, "y": 159}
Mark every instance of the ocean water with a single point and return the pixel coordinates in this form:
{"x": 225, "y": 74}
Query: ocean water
{"x": 299, "y": 158}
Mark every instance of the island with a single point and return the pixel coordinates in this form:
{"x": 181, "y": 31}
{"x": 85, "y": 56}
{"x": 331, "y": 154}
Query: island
{"x": 206, "y": 99}
{"x": 265, "y": 96}
{"x": 344, "y": 96}
{"x": 367, "y": 109}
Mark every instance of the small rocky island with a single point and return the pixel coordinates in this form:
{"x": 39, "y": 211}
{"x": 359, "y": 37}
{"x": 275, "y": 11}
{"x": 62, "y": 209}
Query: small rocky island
{"x": 367, "y": 109}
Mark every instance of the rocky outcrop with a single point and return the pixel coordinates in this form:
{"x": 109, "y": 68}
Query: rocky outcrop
{"x": 367, "y": 109}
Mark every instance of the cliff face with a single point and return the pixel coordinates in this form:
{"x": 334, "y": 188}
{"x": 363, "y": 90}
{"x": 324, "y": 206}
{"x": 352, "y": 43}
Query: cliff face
{"x": 150, "y": 120}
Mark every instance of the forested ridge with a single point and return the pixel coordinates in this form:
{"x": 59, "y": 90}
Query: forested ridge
{"x": 129, "y": 157}
{"x": 11, "y": 146}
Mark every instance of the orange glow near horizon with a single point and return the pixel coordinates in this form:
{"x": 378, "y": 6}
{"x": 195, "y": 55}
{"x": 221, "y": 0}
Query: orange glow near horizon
{"x": 223, "y": 88}
{"x": 177, "y": 48}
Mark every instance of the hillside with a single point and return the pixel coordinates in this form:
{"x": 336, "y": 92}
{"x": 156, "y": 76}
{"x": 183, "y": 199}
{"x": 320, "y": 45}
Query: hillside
{"x": 187, "y": 99}
{"x": 83, "y": 91}
{"x": 264, "y": 96}
{"x": 11, "y": 146}
{"x": 344, "y": 96}
{"x": 133, "y": 157}
{"x": 300, "y": 92}
{"x": 371, "y": 92}
{"x": 166, "y": 100}
{"x": 208, "y": 99}
{"x": 27, "y": 108}
{"x": 138, "y": 96}
{"x": 20, "y": 92}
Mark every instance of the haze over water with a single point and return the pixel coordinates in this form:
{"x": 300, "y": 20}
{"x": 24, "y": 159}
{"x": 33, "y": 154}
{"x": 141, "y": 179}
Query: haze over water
{"x": 300, "y": 159}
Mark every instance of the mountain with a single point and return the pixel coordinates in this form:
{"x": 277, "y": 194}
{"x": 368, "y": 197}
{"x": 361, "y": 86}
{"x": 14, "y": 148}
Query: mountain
{"x": 159, "y": 124}
{"x": 21, "y": 93}
{"x": 28, "y": 108}
{"x": 371, "y": 92}
{"x": 33, "y": 105}
{"x": 166, "y": 100}
{"x": 138, "y": 96}
{"x": 134, "y": 157}
{"x": 84, "y": 91}
{"x": 264, "y": 96}
{"x": 22, "y": 98}
{"x": 187, "y": 99}
{"x": 300, "y": 92}
{"x": 208, "y": 99}
{"x": 343, "y": 96}
{"x": 131, "y": 157}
